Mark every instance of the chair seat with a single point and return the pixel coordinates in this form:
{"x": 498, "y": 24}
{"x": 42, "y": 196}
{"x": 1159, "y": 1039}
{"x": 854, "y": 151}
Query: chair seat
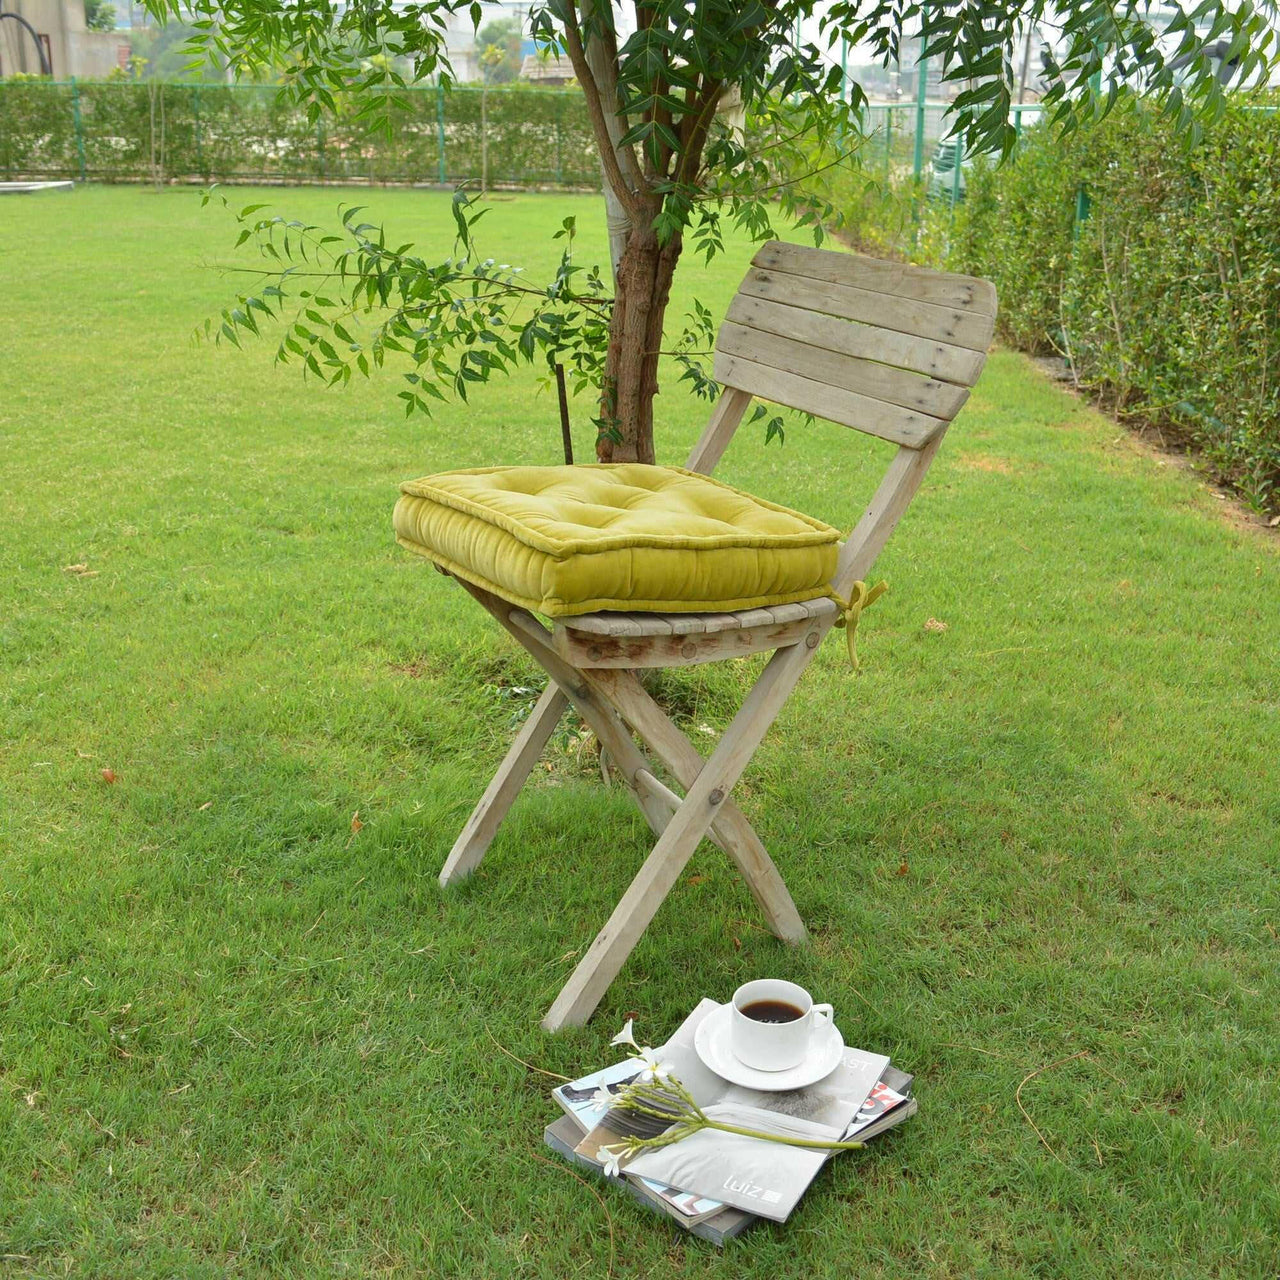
{"x": 566, "y": 541}
{"x": 692, "y": 624}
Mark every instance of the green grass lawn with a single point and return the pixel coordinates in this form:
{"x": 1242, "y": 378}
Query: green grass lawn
{"x": 238, "y": 1038}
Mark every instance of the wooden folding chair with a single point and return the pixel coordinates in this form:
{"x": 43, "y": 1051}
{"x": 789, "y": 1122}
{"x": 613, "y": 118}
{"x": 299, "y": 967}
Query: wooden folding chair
{"x": 882, "y": 347}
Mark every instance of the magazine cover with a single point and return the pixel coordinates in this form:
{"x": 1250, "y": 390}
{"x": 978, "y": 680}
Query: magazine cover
{"x": 584, "y": 1101}
{"x": 767, "y": 1178}
{"x": 879, "y": 1103}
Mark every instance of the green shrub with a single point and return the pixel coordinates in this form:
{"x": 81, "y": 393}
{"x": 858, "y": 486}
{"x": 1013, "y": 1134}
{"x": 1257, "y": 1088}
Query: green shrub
{"x": 125, "y": 131}
{"x": 1166, "y": 295}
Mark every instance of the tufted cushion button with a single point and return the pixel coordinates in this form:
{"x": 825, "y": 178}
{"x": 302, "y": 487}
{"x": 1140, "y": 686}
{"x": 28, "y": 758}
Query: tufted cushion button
{"x": 566, "y": 540}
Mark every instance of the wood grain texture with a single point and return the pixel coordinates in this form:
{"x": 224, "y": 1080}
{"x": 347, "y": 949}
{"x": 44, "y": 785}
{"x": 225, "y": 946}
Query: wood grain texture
{"x": 938, "y": 360}
{"x": 680, "y": 756}
{"x": 900, "y": 279}
{"x": 875, "y": 417}
{"x": 883, "y": 512}
{"x": 482, "y": 826}
{"x": 718, "y": 431}
{"x": 645, "y": 652}
{"x": 899, "y": 387}
{"x": 607, "y": 954}
{"x": 661, "y": 624}
{"x": 938, "y": 324}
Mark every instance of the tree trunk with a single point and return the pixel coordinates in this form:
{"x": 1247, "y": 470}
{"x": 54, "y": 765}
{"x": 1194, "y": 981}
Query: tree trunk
{"x": 642, "y": 289}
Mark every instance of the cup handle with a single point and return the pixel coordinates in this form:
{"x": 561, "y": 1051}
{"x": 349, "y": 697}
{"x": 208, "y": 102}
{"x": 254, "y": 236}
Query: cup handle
{"x": 823, "y": 1013}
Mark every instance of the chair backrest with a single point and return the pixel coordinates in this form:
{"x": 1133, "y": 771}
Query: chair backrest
{"x": 884, "y": 347}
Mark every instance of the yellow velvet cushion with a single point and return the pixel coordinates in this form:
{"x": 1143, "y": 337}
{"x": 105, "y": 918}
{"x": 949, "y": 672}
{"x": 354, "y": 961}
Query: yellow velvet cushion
{"x": 565, "y": 540}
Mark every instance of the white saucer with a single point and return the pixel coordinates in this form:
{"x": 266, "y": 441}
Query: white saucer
{"x": 711, "y": 1040}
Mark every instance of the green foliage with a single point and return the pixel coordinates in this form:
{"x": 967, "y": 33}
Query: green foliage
{"x": 454, "y": 324}
{"x": 1029, "y": 203}
{"x": 160, "y": 53}
{"x": 1166, "y": 297}
{"x": 1098, "y": 41}
{"x": 498, "y": 44}
{"x": 245, "y": 132}
{"x": 99, "y": 15}
{"x": 679, "y": 170}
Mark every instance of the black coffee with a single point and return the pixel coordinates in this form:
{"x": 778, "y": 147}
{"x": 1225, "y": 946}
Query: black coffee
{"x": 771, "y": 1011}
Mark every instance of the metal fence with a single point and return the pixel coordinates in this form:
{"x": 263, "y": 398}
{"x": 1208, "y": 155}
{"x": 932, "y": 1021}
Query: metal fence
{"x": 126, "y": 131}
{"x": 909, "y": 144}
{"x": 129, "y": 131}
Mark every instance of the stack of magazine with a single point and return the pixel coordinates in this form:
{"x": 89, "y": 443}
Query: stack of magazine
{"x": 717, "y": 1184}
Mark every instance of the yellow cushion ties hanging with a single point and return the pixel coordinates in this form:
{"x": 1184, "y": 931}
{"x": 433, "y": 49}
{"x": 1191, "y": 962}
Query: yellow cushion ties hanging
{"x": 861, "y": 597}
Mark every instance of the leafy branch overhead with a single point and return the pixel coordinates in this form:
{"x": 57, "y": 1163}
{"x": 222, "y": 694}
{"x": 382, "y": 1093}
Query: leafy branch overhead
{"x": 456, "y": 322}
{"x": 667, "y": 76}
{"x": 707, "y": 116}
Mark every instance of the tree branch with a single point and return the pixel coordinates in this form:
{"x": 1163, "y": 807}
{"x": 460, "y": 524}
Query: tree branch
{"x": 698, "y": 127}
{"x": 592, "y": 92}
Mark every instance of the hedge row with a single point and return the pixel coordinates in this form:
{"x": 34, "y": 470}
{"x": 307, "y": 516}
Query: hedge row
{"x": 1154, "y": 268}
{"x": 127, "y": 131}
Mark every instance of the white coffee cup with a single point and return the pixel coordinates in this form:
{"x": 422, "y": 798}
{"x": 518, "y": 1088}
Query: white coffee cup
{"x": 774, "y": 1045}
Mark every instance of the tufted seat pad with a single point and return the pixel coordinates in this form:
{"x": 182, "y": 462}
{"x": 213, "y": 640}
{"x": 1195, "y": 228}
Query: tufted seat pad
{"x": 566, "y": 540}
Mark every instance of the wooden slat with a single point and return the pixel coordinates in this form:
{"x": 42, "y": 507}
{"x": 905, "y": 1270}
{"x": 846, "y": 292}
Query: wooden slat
{"x": 718, "y": 431}
{"x": 899, "y": 279}
{"x": 888, "y": 421}
{"x": 713, "y": 622}
{"x": 512, "y": 774}
{"x": 651, "y": 623}
{"x": 866, "y": 341}
{"x": 594, "y": 652}
{"x": 755, "y": 618}
{"x": 664, "y": 865}
{"x": 655, "y": 727}
{"x": 879, "y": 381}
{"x": 624, "y": 624}
{"x": 923, "y": 319}
{"x": 788, "y": 612}
{"x": 683, "y": 624}
{"x": 686, "y": 624}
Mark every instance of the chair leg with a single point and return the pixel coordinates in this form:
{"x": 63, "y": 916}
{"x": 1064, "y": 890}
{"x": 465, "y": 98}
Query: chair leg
{"x": 737, "y": 837}
{"x": 656, "y": 801}
{"x": 597, "y": 969}
{"x": 485, "y": 819}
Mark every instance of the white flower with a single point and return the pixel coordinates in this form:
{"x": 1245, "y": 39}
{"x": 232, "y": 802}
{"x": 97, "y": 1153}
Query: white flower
{"x": 610, "y": 1158}
{"x": 625, "y": 1036}
{"x": 652, "y": 1069}
{"x": 602, "y": 1098}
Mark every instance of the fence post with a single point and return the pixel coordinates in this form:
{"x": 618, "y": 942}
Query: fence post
{"x": 559, "y": 138}
{"x": 75, "y": 115}
{"x": 320, "y": 147}
{"x": 195, "y": 110}
{"x": 957, "y": 157}
{"x": 1083, "y": 205}
{"x": 844, "y": 86}
{"x": 922, "y": 85}
{"x": 440, "y": 129}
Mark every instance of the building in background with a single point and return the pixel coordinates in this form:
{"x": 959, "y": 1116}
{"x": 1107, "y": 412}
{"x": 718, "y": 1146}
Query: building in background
{"x": 537, "y": 69}
{"x": 70, "y": 48}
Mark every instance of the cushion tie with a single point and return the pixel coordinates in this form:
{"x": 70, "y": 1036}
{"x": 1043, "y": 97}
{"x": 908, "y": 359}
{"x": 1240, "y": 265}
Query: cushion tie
{"x": 861, "y": 597}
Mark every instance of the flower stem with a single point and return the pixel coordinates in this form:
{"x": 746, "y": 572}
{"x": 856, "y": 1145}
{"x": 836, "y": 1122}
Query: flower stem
{"x": 814, "y": 1143}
